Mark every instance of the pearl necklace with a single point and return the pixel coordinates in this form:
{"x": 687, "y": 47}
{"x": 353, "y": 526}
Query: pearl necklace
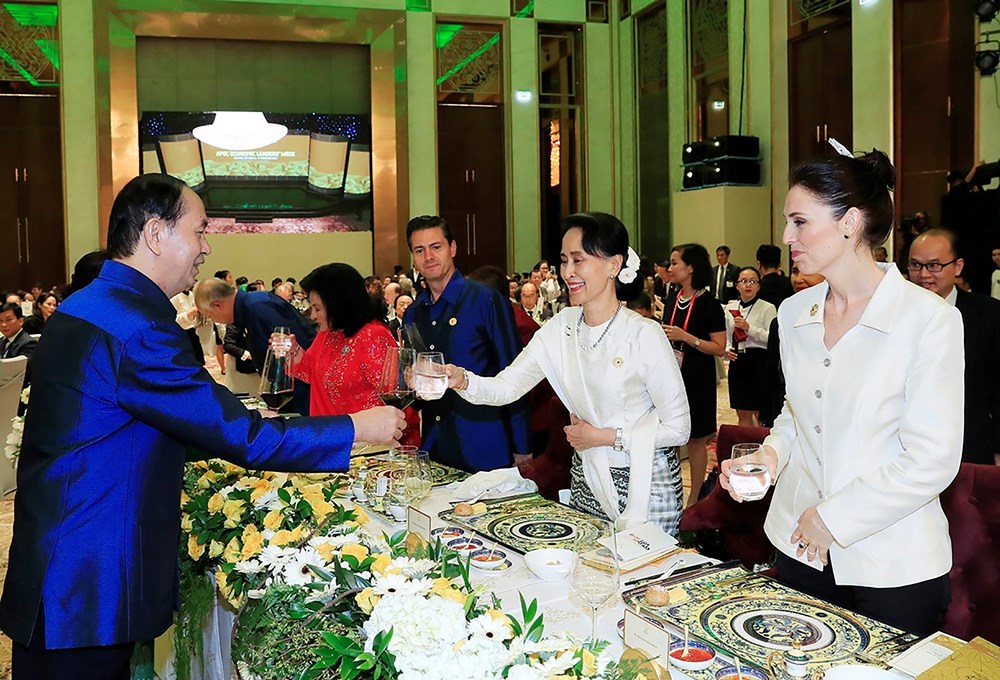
{"x": 579, "y": 323}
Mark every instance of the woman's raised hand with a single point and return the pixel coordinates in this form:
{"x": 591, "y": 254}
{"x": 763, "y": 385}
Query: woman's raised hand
{"x": 456, "y": 376}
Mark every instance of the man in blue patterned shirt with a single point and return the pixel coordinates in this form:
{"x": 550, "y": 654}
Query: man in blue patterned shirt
{"x": 474, "y": 327}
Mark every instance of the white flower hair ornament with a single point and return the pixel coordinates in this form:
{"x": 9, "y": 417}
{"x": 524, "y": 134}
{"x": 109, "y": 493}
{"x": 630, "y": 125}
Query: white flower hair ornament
{"x": 840, "y": 148}
{"x": 631, "y": 268}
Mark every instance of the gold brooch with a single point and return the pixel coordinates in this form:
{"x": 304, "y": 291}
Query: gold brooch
{"x": 813, "y": 310}
{"x": 617, "y": 362}
{"x": 452, "y": 321}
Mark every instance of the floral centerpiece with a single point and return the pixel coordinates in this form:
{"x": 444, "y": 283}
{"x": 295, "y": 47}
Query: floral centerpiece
{"x": 319, "y": 596}
{"x": 12, "y": 447}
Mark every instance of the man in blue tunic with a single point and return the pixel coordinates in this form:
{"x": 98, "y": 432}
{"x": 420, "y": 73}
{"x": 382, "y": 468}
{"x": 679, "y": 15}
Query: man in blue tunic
{"x": 116, "y": 397}
{"x": 474, "y": 327}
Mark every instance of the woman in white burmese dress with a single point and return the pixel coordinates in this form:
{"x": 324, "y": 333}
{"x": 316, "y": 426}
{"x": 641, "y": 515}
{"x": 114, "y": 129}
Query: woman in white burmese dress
{"x": 616, "y": 374}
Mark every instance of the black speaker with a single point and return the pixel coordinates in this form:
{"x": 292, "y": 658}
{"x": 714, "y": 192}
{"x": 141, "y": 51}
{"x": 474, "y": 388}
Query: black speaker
{"x": 731, "y": 171}
{"x": 738, "y": 146}
{"x": 694, "y": 152}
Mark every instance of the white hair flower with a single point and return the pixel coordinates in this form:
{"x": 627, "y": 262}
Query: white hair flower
{"x": 631, "y": 267}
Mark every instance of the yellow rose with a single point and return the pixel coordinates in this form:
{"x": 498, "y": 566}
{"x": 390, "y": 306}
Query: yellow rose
{"x": 382, "y": 561}
{"x": 452, "y": 594}
{"x": 359, "y": 551}
{"x": 360, "y": 516}
{"x": 252, "y": 544}
{"x": 215, "y": 549}
{"x": 216, "y": 502}
{"x": 326, "y": 551}
{"x": 184, "y": 498}
{"x": 260, "y": 487}
{"x": 206, "y": 479}
{"x": 367, "y": 599}
{"x": 296, "y": 535}
{"x": 200, "y": 465}
{"x": 232, "y": 551}
{"x": 186, "y": 523}
{"x": 233, "y": 509}
{"x": 282, "y": 537}
{"x": 589, "y": 663}
{"x": 272, "y": 520}
{"x": 227, "y": 592}
{"x": 195, "y": 549}
{"x": 234, "y": 469}
{"x": 322, "y": 509}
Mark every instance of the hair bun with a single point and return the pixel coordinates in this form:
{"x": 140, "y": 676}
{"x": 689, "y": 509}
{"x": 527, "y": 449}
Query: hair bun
{"x": 880, "y": 164}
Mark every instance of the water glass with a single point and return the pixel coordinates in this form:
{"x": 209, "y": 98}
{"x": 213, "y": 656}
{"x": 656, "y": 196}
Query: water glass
{"x": 596, "y": 586}
{"x": 430, "y": 380}
{"x": 749, "y": 476}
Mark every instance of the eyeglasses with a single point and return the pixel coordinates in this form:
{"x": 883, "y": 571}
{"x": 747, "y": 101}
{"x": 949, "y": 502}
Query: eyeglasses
{"x": 748, "y": 282}
{"x": 932, "y": 267}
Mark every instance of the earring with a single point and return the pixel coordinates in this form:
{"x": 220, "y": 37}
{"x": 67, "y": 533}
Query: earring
{"x": 847, "y": 236}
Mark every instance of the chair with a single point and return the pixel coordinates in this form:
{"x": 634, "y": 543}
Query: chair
{"x": 972, "y": 505}
{"x": 551, "y": 469}
{"x": 11, "y": 383}
{"x": 741, "y": 524}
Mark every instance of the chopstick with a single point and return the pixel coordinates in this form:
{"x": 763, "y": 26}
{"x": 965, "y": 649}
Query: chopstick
{"x": 677, "y": 572}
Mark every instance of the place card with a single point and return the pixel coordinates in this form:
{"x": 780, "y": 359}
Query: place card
{"x": 647, "y": 637}
{"x": 926, "y": 653}
{"x": 640, "y": 544}
{"x": 418, "y": 523}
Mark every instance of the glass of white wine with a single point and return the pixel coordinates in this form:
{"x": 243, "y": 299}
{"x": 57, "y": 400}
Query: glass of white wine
{"x": 596, "y": 586}
{"x": 749, "y": 475}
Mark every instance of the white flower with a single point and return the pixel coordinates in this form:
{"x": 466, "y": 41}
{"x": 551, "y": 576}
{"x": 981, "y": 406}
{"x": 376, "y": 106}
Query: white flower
{"x": 397, "y": 584}
{"x": 297, "y": 571}
{"x": 525, "y": 672}
{"x": 274, "y": 557}
{"x": 25, "y": 393}
{"x": 252, "y": 566}
{"x": 410, "y": 567}
{"x": 424, "y": 632}
{"x": 486, "y": 626}
{"x": 630, "y": 269}
{"x": 256, "y": 593}
{"x": 268, "y": 499}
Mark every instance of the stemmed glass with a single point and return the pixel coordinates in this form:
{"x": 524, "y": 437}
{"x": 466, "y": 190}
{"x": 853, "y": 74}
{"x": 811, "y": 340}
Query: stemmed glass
{"x": 749, "y": 476}
{"x": 430, "y": 379}
{"x": 276, "y": 381}
{"x": 395, "y": 385}
{"x": 596, "y": 585}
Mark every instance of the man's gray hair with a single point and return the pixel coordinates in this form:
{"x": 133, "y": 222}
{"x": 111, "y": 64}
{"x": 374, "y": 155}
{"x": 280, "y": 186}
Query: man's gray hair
{"x": 209, "y": 291}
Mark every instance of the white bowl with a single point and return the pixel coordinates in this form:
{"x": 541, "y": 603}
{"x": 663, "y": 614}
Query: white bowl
{"x": 495, "y": 557}
{"x": 551, "y": 564}
{"x": 690, "y": 665}
{"x": 398, "y": 512}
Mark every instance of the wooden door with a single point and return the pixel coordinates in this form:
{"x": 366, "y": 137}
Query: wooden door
{"x": 12, "y": 255}
{"x": 472, "y": 187}
{"x": 42, "y": 196}
{"x": 820, "y": 92}
{"x": 31, "y": 213}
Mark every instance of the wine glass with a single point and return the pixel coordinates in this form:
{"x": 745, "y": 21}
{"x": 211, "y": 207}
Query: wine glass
{"x": 416, "y": 476}
{"x": 430, "y": 380}
{"x": 276, "y": 381}
{"x": 749, "y": 476}
{"x": 395, "y": 387}
{"x": 596, "y": 585}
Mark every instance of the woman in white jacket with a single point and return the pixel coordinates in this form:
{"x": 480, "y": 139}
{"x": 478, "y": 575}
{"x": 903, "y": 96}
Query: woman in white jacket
{"x": 748, "y": 322}
{"x": 871, "y": 431}
{"x": 614, "y": 371}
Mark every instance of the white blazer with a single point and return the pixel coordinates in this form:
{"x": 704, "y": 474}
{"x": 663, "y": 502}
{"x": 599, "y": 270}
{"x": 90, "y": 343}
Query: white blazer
{"x": 871, "y": 432}
{"x": 759, "y": 317}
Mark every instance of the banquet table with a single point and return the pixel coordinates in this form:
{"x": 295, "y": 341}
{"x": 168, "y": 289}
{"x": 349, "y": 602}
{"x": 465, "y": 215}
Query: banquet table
{"x": 563, "y": 610}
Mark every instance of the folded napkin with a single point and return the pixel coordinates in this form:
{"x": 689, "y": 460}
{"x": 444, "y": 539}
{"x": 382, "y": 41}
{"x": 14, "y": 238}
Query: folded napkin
{"x": 495, "y": 483}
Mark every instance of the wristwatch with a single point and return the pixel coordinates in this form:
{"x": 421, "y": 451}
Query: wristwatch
{"x": 697, "y": 342}
{"x": 619, "y": 439}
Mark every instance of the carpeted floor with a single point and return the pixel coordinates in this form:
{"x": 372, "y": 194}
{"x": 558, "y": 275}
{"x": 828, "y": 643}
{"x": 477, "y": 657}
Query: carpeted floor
{"x": 726, "y": 416}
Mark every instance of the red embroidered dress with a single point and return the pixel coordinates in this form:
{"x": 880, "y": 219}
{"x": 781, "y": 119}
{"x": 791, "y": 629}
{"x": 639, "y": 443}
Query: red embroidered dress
{"x": 344, "y": 373}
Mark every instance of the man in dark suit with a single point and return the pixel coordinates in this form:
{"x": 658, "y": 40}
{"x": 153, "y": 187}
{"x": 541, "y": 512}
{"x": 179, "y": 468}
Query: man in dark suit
{"x": 934, "y": 264}
{"x": 774, "y": 286}
{"x": 14, "y": 342}
{"x": 116, "y": 399}
{"x": 724, "y": 276}
{"x": 257, "y": 313}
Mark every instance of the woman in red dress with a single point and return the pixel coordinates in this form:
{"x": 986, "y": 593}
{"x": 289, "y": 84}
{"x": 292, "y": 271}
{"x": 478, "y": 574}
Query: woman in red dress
{"x": 344, "y": 363}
